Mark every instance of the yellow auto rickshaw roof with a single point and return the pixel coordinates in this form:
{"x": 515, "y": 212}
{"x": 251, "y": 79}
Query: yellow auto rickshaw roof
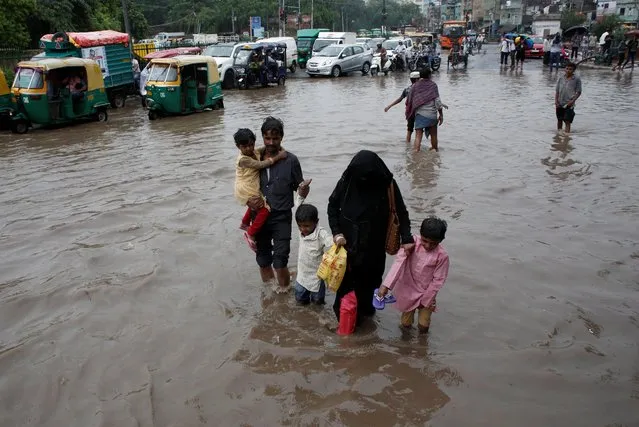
{"x": 182, "y": 60}
{"x": 94, "y": 74}
{"x": 54, "y": 63}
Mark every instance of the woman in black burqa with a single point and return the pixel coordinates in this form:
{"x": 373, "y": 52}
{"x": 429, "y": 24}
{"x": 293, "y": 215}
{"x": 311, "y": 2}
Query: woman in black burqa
{"x": 358, "y": 212}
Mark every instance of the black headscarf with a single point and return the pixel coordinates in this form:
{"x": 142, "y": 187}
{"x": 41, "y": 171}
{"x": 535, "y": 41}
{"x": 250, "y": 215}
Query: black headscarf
{"x": 365, "y": 184}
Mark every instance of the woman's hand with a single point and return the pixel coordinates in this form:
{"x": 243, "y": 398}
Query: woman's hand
{"x": 339, "y": 240}
{"x": 441, "y": 119}
{"x": 383, "y": 290}
{"x": 408, "y": 248}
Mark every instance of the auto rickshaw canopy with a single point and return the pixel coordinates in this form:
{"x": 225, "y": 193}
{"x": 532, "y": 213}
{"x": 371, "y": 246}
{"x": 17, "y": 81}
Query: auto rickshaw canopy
{"x": 184, "y": 60}
{"x": 92, "y": 68}
{"x": 4, "y": 87}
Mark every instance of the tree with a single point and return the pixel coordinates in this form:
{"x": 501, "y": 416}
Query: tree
{"x": 13, "y": 17}
{"x": 570, "y": 18}
{"x": 609, "y": 23}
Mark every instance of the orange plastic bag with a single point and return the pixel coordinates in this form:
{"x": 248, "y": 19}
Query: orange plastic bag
{"x": 333, "y": 267}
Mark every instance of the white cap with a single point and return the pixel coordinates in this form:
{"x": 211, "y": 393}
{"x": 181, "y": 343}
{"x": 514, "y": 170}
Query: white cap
{"x": 414, "y": 75}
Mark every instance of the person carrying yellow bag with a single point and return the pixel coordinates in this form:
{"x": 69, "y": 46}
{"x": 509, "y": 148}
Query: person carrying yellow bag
{"x": 315, "y": 241}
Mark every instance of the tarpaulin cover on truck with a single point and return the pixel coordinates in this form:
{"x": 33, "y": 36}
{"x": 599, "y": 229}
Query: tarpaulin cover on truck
{"x": 93, "y": 38}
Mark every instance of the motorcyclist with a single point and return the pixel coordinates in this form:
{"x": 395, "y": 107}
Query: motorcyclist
{"x": 382, "y": 53}
{"x": 400, "y": 51}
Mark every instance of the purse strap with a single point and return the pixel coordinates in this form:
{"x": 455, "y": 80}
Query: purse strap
{"x": 391, "y": 199}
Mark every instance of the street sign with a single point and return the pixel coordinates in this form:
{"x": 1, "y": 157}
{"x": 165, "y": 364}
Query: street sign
{"x": 256, "y": 22}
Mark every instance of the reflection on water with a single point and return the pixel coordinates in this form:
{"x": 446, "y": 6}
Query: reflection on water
{"x": 128, "y": 297}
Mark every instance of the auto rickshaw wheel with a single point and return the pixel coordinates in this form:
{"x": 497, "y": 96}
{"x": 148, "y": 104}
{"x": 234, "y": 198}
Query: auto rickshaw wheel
{"x": 281, "y": 81}
{"x": 153, "y": 115}
{"x": 118, "y": 100}
{"x": 220, "y": 104}
{"x": 19, "y": 126}
{"x": 102, "y": 115}
{"x": 293, "y": 67}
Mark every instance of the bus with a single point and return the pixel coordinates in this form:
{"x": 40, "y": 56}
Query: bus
{"x": 452, "y": 30}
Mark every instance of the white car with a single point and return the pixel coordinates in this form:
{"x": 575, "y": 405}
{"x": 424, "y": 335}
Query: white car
{"x": 339, "y": 59}
{"x": 223, "y": 55}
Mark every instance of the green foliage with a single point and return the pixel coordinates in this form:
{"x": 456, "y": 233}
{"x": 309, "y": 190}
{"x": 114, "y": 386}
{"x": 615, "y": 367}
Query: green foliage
{"x": 9, "y": 74}
{"x": 609, "y": 23}
{"x": 13, "y": 17}
{"x": 570, "y": 18}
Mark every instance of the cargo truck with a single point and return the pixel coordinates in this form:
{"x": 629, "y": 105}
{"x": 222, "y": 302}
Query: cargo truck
{"x": 110, "y": 49}
{"x": 305, "y": 40}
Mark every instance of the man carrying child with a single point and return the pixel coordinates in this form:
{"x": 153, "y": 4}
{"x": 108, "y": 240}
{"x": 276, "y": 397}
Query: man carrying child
{"x": 278, "y": 184}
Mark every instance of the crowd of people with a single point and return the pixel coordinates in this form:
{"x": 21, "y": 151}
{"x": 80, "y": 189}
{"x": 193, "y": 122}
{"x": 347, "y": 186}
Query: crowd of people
{"x": 270, "y": 183}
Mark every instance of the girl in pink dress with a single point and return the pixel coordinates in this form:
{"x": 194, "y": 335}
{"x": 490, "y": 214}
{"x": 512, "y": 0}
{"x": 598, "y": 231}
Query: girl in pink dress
{"x": 416, "y": 278}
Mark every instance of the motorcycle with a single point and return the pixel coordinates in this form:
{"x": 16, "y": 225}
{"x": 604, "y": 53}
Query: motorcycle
{"x": 376, "y": 65}
{"x": 423, "y": 60}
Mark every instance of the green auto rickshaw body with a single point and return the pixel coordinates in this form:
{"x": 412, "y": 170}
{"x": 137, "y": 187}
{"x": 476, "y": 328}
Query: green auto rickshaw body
{"x": 305, "y": 40}
{"x": 7, "y": 104}
{"x": 43, "y": 93}
{"x": 183, "y": 84}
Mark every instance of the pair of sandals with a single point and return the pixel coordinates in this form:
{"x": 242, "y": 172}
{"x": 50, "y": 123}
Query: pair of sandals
{"x": 380, "y": 302}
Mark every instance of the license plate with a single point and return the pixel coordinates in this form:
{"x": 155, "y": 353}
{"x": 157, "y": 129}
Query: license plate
{"x": 312, "y": 69}
{"x": 534, "y": 51}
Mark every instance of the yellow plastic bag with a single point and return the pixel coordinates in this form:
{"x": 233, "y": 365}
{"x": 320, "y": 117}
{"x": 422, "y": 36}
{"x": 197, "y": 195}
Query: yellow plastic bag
{"x": 333, "y": 267}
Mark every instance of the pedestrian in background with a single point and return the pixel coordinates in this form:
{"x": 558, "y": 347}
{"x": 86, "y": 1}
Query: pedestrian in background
{"x": 555, "y": 52}
{"x": 504, "y": 48}
{"x": 547, "y": 44}
{"x": 632, "y": 52}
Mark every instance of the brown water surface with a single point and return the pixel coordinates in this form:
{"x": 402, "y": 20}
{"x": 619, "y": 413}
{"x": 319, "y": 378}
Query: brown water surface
{"x": 127, "y": 297}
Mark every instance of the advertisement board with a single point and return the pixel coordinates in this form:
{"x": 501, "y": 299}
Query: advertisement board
{"x": 98, "y": 54}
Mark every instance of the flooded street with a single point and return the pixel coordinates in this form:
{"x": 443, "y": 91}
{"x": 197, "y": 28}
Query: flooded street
{"x": 128, "y": 297}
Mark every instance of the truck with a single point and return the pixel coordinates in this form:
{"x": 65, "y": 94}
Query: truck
{"x": 110, "y": 49}
{"x": 328, "y": 38}
{"x": 202, "y": 39}
{"x": 166, "y": 39}
{"x": 305, "y": 40}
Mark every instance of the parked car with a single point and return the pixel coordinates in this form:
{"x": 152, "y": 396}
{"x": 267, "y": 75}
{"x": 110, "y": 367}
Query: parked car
{"x": 223, "y": 55}
{"x": 537, "y": 50}
{"x": 339, "y": 59}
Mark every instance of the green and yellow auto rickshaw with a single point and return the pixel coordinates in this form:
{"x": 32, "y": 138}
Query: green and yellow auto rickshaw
{"x": 182, "y": 85}
{"x": 6, "y": 103}
{"x": 56, "y": 91}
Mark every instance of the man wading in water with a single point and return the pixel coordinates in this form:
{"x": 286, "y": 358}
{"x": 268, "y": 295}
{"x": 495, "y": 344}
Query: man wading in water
{"x": 278, "y": 184}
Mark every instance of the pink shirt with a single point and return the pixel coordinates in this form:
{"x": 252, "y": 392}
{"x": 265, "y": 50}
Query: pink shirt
{"x": 416, "y": 279}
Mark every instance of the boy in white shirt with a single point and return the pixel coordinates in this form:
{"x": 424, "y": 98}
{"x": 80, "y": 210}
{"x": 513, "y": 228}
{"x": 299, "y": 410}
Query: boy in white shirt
{"x": 314, "y": 242}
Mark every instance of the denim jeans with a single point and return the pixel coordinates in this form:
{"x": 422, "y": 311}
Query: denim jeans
{"x": 305, "y": 296}
{"x": 554, "y": 59}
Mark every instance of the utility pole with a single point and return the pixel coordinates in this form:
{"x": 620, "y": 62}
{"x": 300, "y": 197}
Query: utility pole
{"x": 312, "y": 14}
{"x": 284, "y": 9}
{"x": 299, "y": 13}
{"x": 233, "y": 21}
{"x": 342, "y": 19}
{"x": 127, "y": 24}
{"x": 383, "y": 17}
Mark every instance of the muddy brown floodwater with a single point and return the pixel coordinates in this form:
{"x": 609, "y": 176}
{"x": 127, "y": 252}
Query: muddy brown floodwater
{"x": 127, "y": 297}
